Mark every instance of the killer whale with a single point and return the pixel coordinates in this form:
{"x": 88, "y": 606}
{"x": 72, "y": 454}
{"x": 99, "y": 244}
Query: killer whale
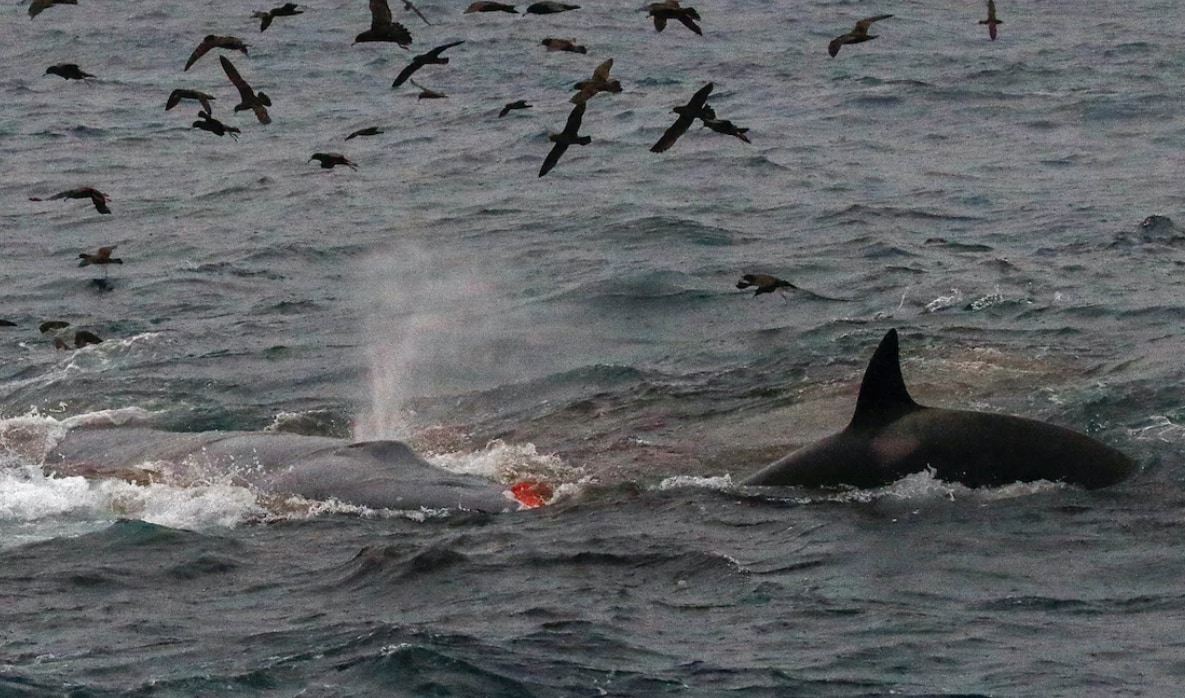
{"x": 374, "y": 474}
{"x": 891, "y": 436}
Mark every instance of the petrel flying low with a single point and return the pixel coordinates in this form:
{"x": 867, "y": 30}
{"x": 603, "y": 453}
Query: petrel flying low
{"x": 763, "y": 283}
{"x": 569, "y": 136}
{"x": 670, "y": 9}
{"x": 98, "y": 198}
{"x": 67, "y": 71}
{"x": 432, "y": 57}
{"x": 383, "y": 27}
{"x": 688, "y": 113}
{"x": 181, "y": 93}
{"x": 207, "y": 122}
{"x": 599, "y": 82}
{"x": 859, "y": 34}
{"x": 288, "y": 9}
{"x": 257, "y": 102}
{"x": 330, "y": 160}
{"x": 211, "y": 41}
{"x": 991, "y": 20}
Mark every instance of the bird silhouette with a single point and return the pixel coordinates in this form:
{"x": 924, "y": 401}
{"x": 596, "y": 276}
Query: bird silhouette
{"x": 179, "y": 94}
{"x": 68, "y": 71}
{"x": 859, "y": 34}
{"x": 486, "y": 6}
{"x": 431, "y": 57}
{"x": 599, "y": 82}
{"x": 569, "y": 136}
{"x": 727, "y": 128}
{"x": 763, "y": 283}
{"x": 288, "y": 9}
{"x": 549, "y": 7}
{"x": 383, "y": 28}
{"x": 511, "y": 106}
{"x": 257, "y": 102}
{"x": 207, "y": 122}
{"x": 98, "y": 198}
{"x": 368, "y": 131}
{"x": 991, "y": 20}
{"x": 569, "y": 45}
{"x": 670, "y": 9}
{"x": 688, "y": 113}
{"x": 38, "y": 6}
{"x": 103, "y": 256}
{"x": 211, "y": 42}
{"x": 330, "y": 160}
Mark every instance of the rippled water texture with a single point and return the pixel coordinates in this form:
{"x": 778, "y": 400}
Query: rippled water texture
{"x": 1009, "y": 206}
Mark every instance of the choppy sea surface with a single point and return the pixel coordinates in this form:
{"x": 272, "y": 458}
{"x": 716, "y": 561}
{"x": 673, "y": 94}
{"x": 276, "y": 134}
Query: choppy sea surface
{"x": 1007, "y": 205}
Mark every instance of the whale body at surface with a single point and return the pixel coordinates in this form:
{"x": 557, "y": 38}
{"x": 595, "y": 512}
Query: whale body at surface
{"x": 891, "y": 436}
{"x": 375, "y": 474}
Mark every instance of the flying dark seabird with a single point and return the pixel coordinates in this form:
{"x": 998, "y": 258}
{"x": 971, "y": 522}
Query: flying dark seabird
{"x": 210, "y": 42}
{"x": 368, "y": 131}
{"x": 859, "y": 34}
{"x": 180, "y": 93}
{"x": 599, "y": 82}
{"x": 550, "y": 7}
{"x": 38, "y": 6}
{"x": 257, "y": 102}
{"x": 68, "y": 71}
{"x": 288, "y": 9}
{"x": 991, "y": 20}
{"x": 330, "y": 160}
{"x": 383, "y": 28}
{"x": 486, "y": 6}
{"x": 727, "y": 128}
{"x": 207, "y": 122}
{"x": 563, "y": 45}
{"x": 708, "y": 118}
{"x": 670, "y": 9}
{"x": 688, "y": 113}
{"x": 98, "y": 198}
{"x": 764, "y": 283}
{"x": 569, "y": 136}
{"x": 102, "y": 256}
{"x": 408, "y": 6}
{"x": 511, "y": 106}
{"x": 431, "y": 57}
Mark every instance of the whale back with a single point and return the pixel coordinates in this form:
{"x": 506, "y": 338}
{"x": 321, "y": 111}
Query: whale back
{"x": 891, "y": 436}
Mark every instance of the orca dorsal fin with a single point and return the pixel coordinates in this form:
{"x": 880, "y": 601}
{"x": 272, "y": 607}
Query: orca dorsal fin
{"x": 883, "y": 396}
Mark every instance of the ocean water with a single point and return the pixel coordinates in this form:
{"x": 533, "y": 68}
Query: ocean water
{"x": 1009, "y": 206}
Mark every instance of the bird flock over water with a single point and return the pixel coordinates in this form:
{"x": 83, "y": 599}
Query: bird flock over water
{"x": 384, "y": 28}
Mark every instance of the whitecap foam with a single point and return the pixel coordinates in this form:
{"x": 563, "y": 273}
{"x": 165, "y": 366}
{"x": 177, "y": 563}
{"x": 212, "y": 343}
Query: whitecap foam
{"x": 298, "y": 508}
{"x": 944, "y": 302}
{"x": 924, "y": 486}
{"x": 34, "y": 506}
{"x": 508, "y": 463}
{"x": 1158, "y": 427}
{"x": 716, "y": 482}
{"x": 29, "y": 437}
